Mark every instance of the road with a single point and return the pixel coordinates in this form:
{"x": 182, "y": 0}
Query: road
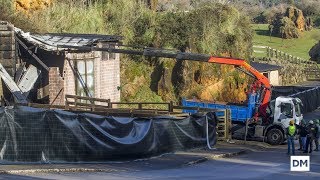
{"x": 268, "y": 164}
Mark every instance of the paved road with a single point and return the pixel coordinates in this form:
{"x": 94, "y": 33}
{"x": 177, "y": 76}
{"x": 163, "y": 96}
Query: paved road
{"x": 271, "y": 164}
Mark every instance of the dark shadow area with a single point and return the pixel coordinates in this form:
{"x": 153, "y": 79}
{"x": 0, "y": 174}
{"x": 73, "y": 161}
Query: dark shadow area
{"x": 156, "y": 76}
{"x": 177, "y": 77}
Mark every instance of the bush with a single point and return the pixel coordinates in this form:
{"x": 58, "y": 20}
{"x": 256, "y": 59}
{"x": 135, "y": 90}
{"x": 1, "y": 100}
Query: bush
{"x": 215, "y": 29}
{"x": 290, "y": 24}
{"x": 309, "y": 7}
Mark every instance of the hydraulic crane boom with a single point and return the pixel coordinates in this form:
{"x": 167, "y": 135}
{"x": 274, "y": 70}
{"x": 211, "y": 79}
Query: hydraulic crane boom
{"x": 261, "y": 81}
{"x": 261, "y": 86}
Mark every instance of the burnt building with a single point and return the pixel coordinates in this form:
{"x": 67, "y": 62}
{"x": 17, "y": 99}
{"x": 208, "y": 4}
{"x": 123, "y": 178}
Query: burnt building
{"x": 69, "y": 66}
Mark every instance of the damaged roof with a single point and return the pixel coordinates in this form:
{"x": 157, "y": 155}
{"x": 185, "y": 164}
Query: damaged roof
{"x": 264, "y": 67}
{"x": 61, "y": 41}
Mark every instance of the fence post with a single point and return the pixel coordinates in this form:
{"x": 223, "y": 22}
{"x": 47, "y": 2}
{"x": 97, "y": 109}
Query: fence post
{"x": 171, "y": 106}
{"x": 109, "y": 103}
{"x": 66, "y": 102}
{"x": 75, "y": 102}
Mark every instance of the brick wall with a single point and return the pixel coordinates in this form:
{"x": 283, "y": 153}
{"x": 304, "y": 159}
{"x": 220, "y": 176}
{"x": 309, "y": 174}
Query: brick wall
{"x": 56, "y": 86}
{"x": 69, "y": 79}
{"x": 106, "y": 77}
{"x": 109, "y": 78}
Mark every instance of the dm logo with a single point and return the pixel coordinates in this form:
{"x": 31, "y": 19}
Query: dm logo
{"x": 300, "y": 163}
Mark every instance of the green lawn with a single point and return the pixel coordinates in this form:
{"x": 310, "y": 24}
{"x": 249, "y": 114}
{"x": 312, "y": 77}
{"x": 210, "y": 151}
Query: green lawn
{"x": 297, "y": 47}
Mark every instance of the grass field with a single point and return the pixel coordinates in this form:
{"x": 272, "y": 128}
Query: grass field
{"x": 297, "y": 47}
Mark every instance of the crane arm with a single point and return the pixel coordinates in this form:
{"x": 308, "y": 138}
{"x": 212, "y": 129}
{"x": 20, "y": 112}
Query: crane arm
{"x": 261, "y": 81}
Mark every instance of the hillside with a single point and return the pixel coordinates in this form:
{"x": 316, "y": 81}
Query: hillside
{"x": 296, "y": 47}
{"x": 215, "y": 29}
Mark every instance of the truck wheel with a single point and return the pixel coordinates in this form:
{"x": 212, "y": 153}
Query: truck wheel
{"x": 275, "y": 137}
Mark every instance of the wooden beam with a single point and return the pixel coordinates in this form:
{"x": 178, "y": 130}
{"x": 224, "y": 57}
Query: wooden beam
{"x": 33, "y": 55}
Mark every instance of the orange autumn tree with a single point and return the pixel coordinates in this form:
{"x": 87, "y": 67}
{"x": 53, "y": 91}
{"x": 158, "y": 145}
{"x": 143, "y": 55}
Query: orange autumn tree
{"x": 28, "y": 6}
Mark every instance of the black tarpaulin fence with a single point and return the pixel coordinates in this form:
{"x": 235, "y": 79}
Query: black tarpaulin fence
{"x": 310, "y": 99}
{"x": 41, "y": 135}
{"x": 287, "y": 90}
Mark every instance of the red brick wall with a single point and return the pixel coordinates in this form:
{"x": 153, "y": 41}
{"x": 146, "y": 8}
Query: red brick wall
{"x": 107, "y": 78}
{"x": 69, "y": 79}
{"x": 56, "y": 84}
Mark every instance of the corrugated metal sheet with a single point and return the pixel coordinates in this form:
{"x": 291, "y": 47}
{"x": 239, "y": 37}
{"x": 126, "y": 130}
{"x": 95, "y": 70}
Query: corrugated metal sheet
{"x": 53, "y": 42}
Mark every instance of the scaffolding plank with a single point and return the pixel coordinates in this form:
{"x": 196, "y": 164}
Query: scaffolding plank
{"x": 28, "y": 80}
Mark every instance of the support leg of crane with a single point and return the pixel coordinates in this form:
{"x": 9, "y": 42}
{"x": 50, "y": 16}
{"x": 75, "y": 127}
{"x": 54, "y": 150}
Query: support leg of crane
{"x": 246, "y": 131}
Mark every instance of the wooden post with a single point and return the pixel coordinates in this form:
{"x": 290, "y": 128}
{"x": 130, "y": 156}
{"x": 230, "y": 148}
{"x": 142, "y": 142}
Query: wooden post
{"x": 66, "y": 103}
{"x": 171, "y": 106}
{"x": 93, "y": 106}
{"x": 139, "y": 106}
{"x": 75, "y": 102}
{"x": 109, "y": 103}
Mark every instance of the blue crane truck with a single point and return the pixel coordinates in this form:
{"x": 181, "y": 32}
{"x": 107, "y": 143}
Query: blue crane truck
{"x": 280, "y": 112}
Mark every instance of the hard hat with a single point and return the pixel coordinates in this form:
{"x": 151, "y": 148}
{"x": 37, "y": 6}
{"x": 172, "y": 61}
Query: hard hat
{"x": 292, "y": 122}
{"x": 310, "y": 122}
{"x": 316, "y": 121}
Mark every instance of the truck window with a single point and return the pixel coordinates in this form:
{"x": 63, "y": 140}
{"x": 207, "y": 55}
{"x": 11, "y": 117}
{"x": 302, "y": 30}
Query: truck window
{"x": 297, "y": 109}
{"x": 286, "y": 109}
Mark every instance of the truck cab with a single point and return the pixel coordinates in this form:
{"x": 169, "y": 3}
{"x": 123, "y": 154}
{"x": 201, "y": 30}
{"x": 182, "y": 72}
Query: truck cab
{"x": 283, "y": 110}
{"x": 286, "y": 109}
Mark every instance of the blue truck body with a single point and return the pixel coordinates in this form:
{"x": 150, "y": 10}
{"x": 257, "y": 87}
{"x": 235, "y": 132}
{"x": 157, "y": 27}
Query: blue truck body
{"x": 238, "y": 113}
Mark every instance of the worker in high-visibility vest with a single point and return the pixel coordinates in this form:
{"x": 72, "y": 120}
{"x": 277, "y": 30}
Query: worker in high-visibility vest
{"x": 291, "y": 132}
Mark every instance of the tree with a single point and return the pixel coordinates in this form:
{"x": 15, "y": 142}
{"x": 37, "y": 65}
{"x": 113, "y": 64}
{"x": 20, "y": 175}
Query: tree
{"x": 270, "y": 31}
{"x": 282, "y": 30}
{"x": 290, "y": 2}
